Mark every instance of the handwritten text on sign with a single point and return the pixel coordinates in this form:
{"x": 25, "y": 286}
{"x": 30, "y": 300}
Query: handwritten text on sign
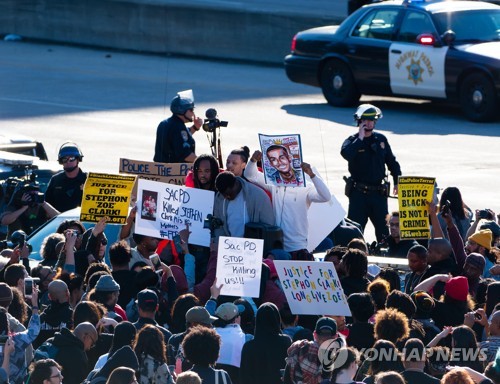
{"x": 312, "y": 288}
{"x": 166, "y": 173}
{"x": 165, "y": 209}
{"x": 239, "y": 266}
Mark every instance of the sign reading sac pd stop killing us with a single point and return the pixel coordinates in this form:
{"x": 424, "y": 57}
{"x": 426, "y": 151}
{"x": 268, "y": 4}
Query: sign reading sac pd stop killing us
{"x": 106, "y": 195}
{"x": 312, "y": 288}
{"x": 414, "y": 195}
{"x": 239, "y": 266}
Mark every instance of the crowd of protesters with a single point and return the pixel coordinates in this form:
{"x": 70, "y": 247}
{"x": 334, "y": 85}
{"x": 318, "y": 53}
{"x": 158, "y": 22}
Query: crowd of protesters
{"x": 77, "y": 319}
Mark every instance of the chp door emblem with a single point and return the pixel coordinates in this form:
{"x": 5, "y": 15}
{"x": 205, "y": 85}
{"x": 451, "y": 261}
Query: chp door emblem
{"x": 415, "y": 71}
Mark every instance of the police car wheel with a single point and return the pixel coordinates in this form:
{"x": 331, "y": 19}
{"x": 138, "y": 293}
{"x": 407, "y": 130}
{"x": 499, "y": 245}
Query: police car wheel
{"x": 477, "y": 98}
{"x": 338, "y": 85}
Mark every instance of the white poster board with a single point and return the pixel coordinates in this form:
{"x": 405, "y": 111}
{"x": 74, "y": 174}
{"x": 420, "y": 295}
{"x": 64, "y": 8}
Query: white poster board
{"x": 239, "y": 266}
{"x": 323, "y": 218}
{"x": 165, "y": 209}
{"x": 312, "y": 288}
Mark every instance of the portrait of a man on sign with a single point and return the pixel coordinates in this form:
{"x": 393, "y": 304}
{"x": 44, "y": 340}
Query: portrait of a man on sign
{"x": 281, "y": 160}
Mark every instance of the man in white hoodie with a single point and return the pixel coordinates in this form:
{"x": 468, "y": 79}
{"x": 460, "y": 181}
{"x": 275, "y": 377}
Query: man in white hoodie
{"x": 290, "y": 205}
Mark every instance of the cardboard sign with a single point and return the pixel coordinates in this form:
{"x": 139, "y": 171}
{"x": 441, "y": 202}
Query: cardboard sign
{"x": 106, "y": 195}
{"x": 174, "y": 173}
{"x": 414, "y": 193}
{"x": 165, "y": 209}
{"x": 239, "y": 266}
{"x": 323, "y": 218}
{"x": 312, "y": 288}
{"x": 281, "y": 160}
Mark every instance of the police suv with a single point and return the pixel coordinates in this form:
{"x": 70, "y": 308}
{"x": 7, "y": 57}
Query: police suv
{"x": 441, "y": 50}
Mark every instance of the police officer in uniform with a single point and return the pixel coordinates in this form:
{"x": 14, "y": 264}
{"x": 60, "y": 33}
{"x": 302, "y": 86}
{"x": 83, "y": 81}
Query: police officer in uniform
{"x": 65, "y": 189}
{"x": 174, "y": 142}
{"x": 368, "y": 153}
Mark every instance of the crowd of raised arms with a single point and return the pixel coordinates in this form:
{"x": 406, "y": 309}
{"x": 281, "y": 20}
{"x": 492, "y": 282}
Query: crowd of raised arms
{"x": 138, "y": 309}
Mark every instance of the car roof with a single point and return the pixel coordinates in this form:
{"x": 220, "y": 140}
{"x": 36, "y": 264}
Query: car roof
{"x": 436, "y": 6}
{"x": 16, "y": 139}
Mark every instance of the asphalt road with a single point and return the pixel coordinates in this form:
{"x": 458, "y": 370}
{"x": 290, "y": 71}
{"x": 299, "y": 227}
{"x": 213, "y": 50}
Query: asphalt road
{"x": 111, "y": 103}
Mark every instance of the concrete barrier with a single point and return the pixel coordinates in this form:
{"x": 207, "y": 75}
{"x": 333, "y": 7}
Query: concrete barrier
{"x": 198, "y": 29}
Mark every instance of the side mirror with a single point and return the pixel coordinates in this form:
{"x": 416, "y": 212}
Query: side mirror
{"x": 448, "y": 37}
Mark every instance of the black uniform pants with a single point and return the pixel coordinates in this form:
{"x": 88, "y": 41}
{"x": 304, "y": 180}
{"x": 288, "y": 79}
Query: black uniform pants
{"x": 370, "y": 205}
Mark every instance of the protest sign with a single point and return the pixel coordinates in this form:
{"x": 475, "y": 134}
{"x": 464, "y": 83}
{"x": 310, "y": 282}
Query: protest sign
{"x": 323, "y": 218}
{"x": 281, "y": 160}
{"x": 174, "y": 173}
{"x": 239, "y": 266}
{"x": 106, "y": 195}
{"x": 414, "y": 193}
{"x": 165, "y": 209}
{"x": 312, "y": 288}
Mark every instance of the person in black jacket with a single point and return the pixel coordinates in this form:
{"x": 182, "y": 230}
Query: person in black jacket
{"x": 71, "y": 351}
{"x": 174, "y": 141}
{"x": 57, "y": 315}
{"x": 263, "y": 358}
{"x": 65, "y": 189}
{"x": 367, "y": 153}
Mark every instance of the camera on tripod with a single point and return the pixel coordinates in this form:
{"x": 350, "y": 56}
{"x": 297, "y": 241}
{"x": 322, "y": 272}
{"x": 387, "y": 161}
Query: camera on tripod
{"x": 211, "y": 123}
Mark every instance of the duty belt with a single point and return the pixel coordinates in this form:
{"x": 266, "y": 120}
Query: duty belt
{"x": 367, "y": 188}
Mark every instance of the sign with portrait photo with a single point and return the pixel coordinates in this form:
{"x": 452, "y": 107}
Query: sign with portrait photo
{"x": 165, "y": 209}
{"x": 281, "y": 160}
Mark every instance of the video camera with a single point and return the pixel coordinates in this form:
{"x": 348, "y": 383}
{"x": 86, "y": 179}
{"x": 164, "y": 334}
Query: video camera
{"x": 13, "y": 189}
{"x": 212, "y": 223}
{"x": 211, "y": 123}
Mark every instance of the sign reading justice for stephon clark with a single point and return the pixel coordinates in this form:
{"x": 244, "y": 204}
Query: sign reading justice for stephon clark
{"x": 239, "y": 266}
{"x": 165, "y": 209}
{"x": 106, "y": 195}
{"x": 312, "y": 288}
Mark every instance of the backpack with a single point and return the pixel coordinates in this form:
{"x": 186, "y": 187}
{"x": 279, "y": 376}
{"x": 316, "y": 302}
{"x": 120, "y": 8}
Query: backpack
{"x": 46, "y": 351}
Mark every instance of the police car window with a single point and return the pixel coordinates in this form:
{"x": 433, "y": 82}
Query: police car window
{"x": 378, "y": 24}
{"x": 414, "y": 24}
{"x": 470, "y": 26}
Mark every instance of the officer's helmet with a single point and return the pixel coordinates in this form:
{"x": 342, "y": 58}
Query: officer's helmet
{"x": 69, "y": 149}
{"x": 367, "y": 112}
{"x": 183, "y": 102}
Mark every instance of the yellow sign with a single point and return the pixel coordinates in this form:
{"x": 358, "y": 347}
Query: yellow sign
{"x": 414, "y": 194}
{"x": 106, "y": 195}
{"x": 174, "y": 173}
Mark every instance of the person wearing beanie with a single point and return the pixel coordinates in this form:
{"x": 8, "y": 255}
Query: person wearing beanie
{"x": 106, "y": 292}
{"x": 473, "y": 270}
{"x": 481, "y": 238}
{"x": 303, "y": 361}
{"x": 450, "y": 309}
{"x": 481, "y": 242}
